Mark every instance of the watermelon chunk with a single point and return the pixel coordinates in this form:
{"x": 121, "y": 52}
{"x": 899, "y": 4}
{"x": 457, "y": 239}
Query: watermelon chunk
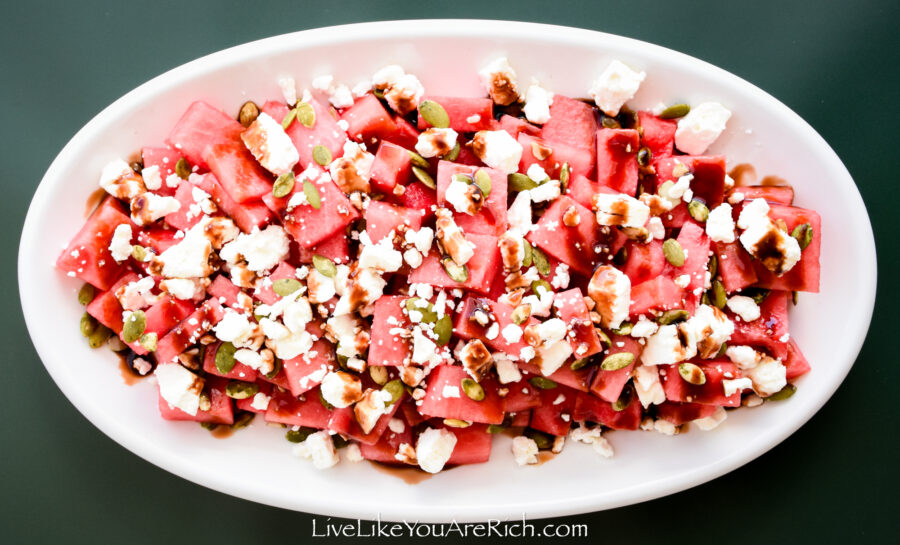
{"x": 306, "y": 371}
{"x": 491, "y": 219}
{"x": 105, "y": 306}
{"x": 406, "y": 135}
{"x": 160, "y": 318}
{"x": 306, "y": 410}
{"x": 419, "y": 197}
{"x": 572, "y": 122}
{"x": 660, "y": 293}
{"x": 550, "y": 416}
{"x": 460, "y": 110}
{"x": 482, "y": 267}
{"x": 708, "y": 183}
{"x": 382, "y": 218}
{"x": 237, "y": 171}
{"x": 589, "y": 408}
{"x": 608, "y": 385}
{"x": 184, "y": 218}
{"x": 465, "y": 326}
{"x": 223, "y": 290}
{"x": 392, "y": 166}
{"x": 578, "y": 380}
{"x": 384, "y": 348}
{"x": 165, "y": 159}
{"x": 203, "y": 126}
{"x": 87, "y": 256}
{"x": 617, "y": 165}
{"x": 710, "y": 393}
{"x": 796, "y": 362}
{"x": 571, "y": 308}
{"x": 658, "y": 135}
{"x": 446, "y": 377}
{"x": 248, "y": 216}
{"x": 804, "y": 276}
{"x": 344, "y": 421}
{"x": 473, "y": 445}
{"x": 679, "y": 413}
{"x": 325, "y": 132}
{"x": 220, "y": 409}
{"x": 514, "y": 126}
{"x": 367, "y": 120}
{"x": 265, "y": 293}
{"x": 158, "y": 237}
{"x": 644, "y": 261}
{"x": 735, "y": 266}
{"x": 238, "y": 372}
{"x": 336, "y": 248}
{"x": 522, "y": 396}
{"x": 189, "y": 331}
{"x": 773, "y": 194}
{"x": 695, "y": 244}
{"x": 767, "y": 330}
{"x": 582, "y": 190}
{"x": 580, "y": 161}
{"x": 388, "y": 444}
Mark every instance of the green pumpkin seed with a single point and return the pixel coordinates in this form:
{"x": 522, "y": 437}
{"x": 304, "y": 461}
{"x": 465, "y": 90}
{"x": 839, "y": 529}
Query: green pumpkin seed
{"x": 395, "y": 388}
{"x": 456, "y": 423}
{"x": 417, "y": 160}
{"x": 149, "y": 341}
{"x": 461, "y": 177}
{"x": 325, "y": 266}
{"x": 718, "y": 297}
{"x": 429, "y": 316}
{"x": 321, "y": 155}
{"x": 473, "y": 390}
{"x": 208, "y": 425}
{"x": 276, "y": 368}
{"x": 99, "y": 337}
{"x": 88, "y": 324}
{"x": 520, "y": 314}
{"x": 85, "y": 294}
{"x": 540, "y": 261}
{"x": 698, "y": 210}
{"x": 644, "y": 156}
{"x": 757, "y": 294}
{"x": 424, "y": 177}
{"x": 286, "y": 286}
{"x": 624, "y": 400}
{"x": 379, "y": 374}
{"x": 543, "y": 440}
{"x": 453, "y": 154}
{"x": 443, "y": 328}
{"x": 517, "y": 181}
{"x": 795, "y": 296}
{"x": 543, "y": 383}
{"x": 624, "y": 329}
{"x": 674, "y": 252}
{"x": 434, "y": 114}
{"x": 306, "y": 115}
{"x": 617, "y": 361}
{"x": 704, "y": 299}
{"x": 139, "y": 253}
{"x": 804, "y": 235}
{"x": 283, "y": 185}
{"x": 722, "y": 350}
{"x": 673, "y": 316}
{"x": 713, "y": 266}
{"x": 379, "y": 93}
{"x": 604, "y": 338}
{"x": 542, "y": 285}
{"x": 483, "y": 181}
{"x": 288, "y": 119}
{"x": 692, "y": 373}
{"x": 783, "y": 394}
{"x": 324, "y": 403}
{"x": 299, "y": 435}
{"x": 248, "y": 113}
{"x": 528, "y": 258}
{"x": 339, "y": 441}
{"x": 134, "y": 326}
{"x": 457, "y": 273}
{"x": 312, "y": 194}
{"x": 242, "y": 420}
{"x": 205, "y": 403}
{"x": 182, "y": 168}
{"x": 675, "y": 111}
{"x": 564, "y": 173}
{"x": 225, "y": 358}
{"x": 579, "y": 364}
{"x": 494, "y": 429}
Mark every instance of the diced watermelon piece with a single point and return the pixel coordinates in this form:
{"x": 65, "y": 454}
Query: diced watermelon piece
{"x": 465, "y": 326}
{"x": 522, "y": 396}
{"x": 460, "y": 110}
{"x": 660, "y": 293}
{"x": 679, "y": 413}
{"x": 336, "y": 248}
{"x": 708, "y": 183}
{"x": 735, "y": 266}
{"x": 710, "y": 393}
{"x": 307, "y": 410}
{"x": 473, "y": 445}
{"x": 238, "y": 372}
{"x": 572, "y": 122}
{"x": 201, "y": 127}
{"x": 582, "y": 247}
{"x": 589, "y": 408}
{"x": 406, "y": 135}
{"x": 608, "y": 385}
{"x": 767, "y": 330}
{"x": 580, "y": 161}
{"x": 237, "y": 171}
{"x": 325, "y": 132}
{"x": 306, "y": 371}
{"x": 658, "y": 135}
{"x": 160, "y": 238}
{"x": 514, "y": 126}
{"x": 246, "y": 404}
{"x": 482, "y": 267}
{"x": 189, "y": 331}
{"x": 419, "y": 197}
{"x": 796, "y": 362}
{"x": 248, "y": 216}
{"x": 644, "y": 261}
{"x": 382, "y": 218}
{"x": 617, "y": 165}
{"x": 384, "y": 348}
{"x": 184, "y": 218}
{"x": 521, "y": 418}
{"x": 435, "y": 404}
{"x": 571, "y": 308}
{"x": 695, "y": 244}
{"x": 87, "y": 256}
{"x": 556, "y": 403}
{"x": 344, "y": 421}
{"x": 491, "y": 219}
{"x": 582, "y": 190}
{"x": 804, "y": 276}
{"x": 165, "y": 159}
{"x": 160, "y": 318}
{"x": 367, "y": 120}
{"x": 265, "y": 293}
{"x": 220, "y": 409}
{"x": 774, "y": 194}
{"x": 385, "y": 449}
{"x": 224, "y": 290}
{"x": 106, "y": 308}
{"x": 392, "y": 166}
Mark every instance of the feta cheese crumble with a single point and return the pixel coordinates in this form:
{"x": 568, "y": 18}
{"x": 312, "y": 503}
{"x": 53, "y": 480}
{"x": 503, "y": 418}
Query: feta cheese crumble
{"x": 616, "y": 85}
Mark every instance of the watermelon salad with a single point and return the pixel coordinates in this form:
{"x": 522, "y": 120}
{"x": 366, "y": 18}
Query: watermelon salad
{"x": 400, "y": 275}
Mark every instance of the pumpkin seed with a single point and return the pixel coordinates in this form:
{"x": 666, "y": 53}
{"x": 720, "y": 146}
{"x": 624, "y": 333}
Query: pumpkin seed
{"x": 564, "y": 177}
{"x": 424, "y": 177}
{"x": 461, "y": 177}
{"x": 543, "y": 440}
{"x": 237, "y": 389}
{"x": 312, "y": 194}
{"x": 540, "y": 260}
{"x": 624, "y": 400}
{"x": 205, "y": 403}
{"x": 713, "y": 266}
{"x": 494, "y": 429}
{"x": 306, "y": 115}
{"x": 248, "y": 114}
{"x": 617, "y": 361}
{"x": 139, "y": 253}
{"x": 704, "y": 299}
{"x": 579, "y": 364}
{"x": 757, "y": 294}
{"x": 674, "y": 252}
{"x": 675, "y": 111}
{"x": 692, "y": 373}
{"x": 225, "y": 358}
{"x": 99, "y": 337}
{"x": 443, "y": 328}
{"x": 456, "y": 423}
{"x": 428, "y": 314}
{"x": 395, "y": 388}
{"x": 339, "y": 441}
{"x": 286, "y": 286}
{"x": 609, "y": 122}
{"x": 483, "y": 181}
{"x": 673, "y": 316}
{"x": 149, "y": 341}
{"x": 276, "y": 368}
{"x": 520, "y": 314}
{"x": 453, "y": 154}
{"x": 299, "y": 435}
{"x": 417, "y": 160}
{"x": 528, "y": 258}
{"x": 324, "y": 403}
{"x": 795, "y": 296}
{"x": 722, "y": 350}
{"x": 783, "y": 394}
{"x": 517, "y": 181}
{"x": 542, "y": 284}
{"x": 624, "y": 329}
{"x": 134, "y": 326}
{"x": 137, "y": 166}
{"x": 718, "y": 296}
{"x": 242, "y": 420}
{"x": 379, "y": 93}
{"x": 208, "y": 425}
{"x": 379, "y": 374}
{"x": 543, "y": 383}
{"x": 472, "y": 389}
{"x": 283, "y": 185}
{"x": 288, "y": 119}
{"x": 804, "y": 235}
{"x": 698, "y": 210}
{"x": 434, "y": 114}
{"x": 325, "y": 266}
{"x": 644, "y": 156}
{"x": 321, "y": 155}
{"x": 604, "y": 338}
{"x": 88, "y": 324}
{"x": 85, "y": 294}
{"x": 182, "y": 168}
{"x": 457, "y": 273}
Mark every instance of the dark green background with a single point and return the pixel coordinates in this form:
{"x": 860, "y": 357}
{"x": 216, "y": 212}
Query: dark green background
{"x": 835, "y": 63}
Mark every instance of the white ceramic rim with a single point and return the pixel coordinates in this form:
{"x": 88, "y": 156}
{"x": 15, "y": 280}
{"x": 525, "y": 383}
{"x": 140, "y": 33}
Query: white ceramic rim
{"x": 122, "y": 433}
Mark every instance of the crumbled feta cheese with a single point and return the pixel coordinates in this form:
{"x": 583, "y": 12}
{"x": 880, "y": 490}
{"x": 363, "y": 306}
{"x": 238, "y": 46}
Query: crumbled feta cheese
{"x": 270, "y": 145}
{"x": 616, "y": 85}
{"x": 318, "y": 447}
{"x": 351, "y": 172}
{"x": 321, "y": 288}
{"x": 769, "y": 377}
{"x": 371, "y": 407}
{"x": 665, "y": 427}
{"x": 152, "y": 177}
{"x": 235, "y": 328}
{"x": 643, "y": 328}
{"x": 648, "y": 386}
{"x": 500, "y": 81}
{"x": 183, "y": 288}
{"x": 421, "y": 239}
{"x": 710, "y": 422}
{"x": 288, "y": 89}
{"x": 546, "y": 192}
{"x": 120, "y": 181}
{"x": 610, "y": 289}
{"x": 262, "y": 250}
{"x": 353, "y": 454}
{"x": 120, "y": 244}
{"x": 707, "y": 329}
{"x": 561, "y": 277}
{"x": 436, "y": 142}
{"x": 466, "y": 198}
{"x": 682, "y": 280}
{"x": 340, "y": 389}
{"x": 656, "y": 229}
{"x": 551, "y": 331}
{"x": 381, "y": 256}
{"x": 149, "y": 207}
{"x": 620, "y": 209}
{"x": 512, "y": 333}
{"x": 497, "y": 149}
{"x": 665, "y": 347}
{"x": 434, "y": 448}
{"x": 593, "y": 437}
{"x": 519, "y": 214}
{"x": 733, "y": 386}
{"x": 402, "y": 91}
{"x": 701, "y": 127}
{"x": 507, "y": 371}
{"x": 512, "y": 250}
{"x": 537, "y": 173}
{"x": 189, "y": 258}
{"x": 745, "y": 357}
{"x": 424, "y": 349}
{"x": 720, "y": 224}
{"x": 553, "y": 356}
{"x": 537, "y": 104}
{"x": 525, "y": 450}
{"x": 179, "y": 387}
{"x": 780, "y": 251}
{"x": 745, "y": 307}
{"x": 137, "y": 295}
{"x": 452, "y": 238}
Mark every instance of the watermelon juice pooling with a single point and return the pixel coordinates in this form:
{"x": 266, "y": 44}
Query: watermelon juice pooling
{"x": 400, "y": 275}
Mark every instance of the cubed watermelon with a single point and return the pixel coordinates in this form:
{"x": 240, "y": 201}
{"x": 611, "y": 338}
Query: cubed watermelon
{"x": 804, "y": 276}
{"x": 466, "y": 114}
{"x": 203, "y": 126}
{"x": 679, "y": 413}
{"x": 580, "y": 161}
{"x": 336, "y": 248}
{"x": 237, "y": 171}
{"x": 590, "y": 408}
{"x": 522, "y": 396}
{"x": 189, "y": 214}
{"x": 105, "y": 306}
{"x": 189, "y": 331}
{"x": 392, "y": 166}
{"x": 643, "y": 261}
{"x": 87, "y": 256}
{"x": 465, "y": 326}
{"x": 617, "y": 165}
{"x": 473, "y": 445}
{"x": 160, "y": 318}
{"x": 774, "y": 194}
{"x": 695, "y": 243}
{"x": 769, "y": 331}
{"x": 735, "y": 266}
{"x": 406, "y": 134}
{"x": 582, "y": 336}
{"x": 248, "y": 216}
{"x": 657, "y": 135}
{"x": 514, "y": 126}
{"x": 367, "y": 120}
{"x": 238, "y": 372}
{"x": 572, "y": 122}
{"x": 325, "y": 132}
{"x": 438, "y": 402}
{"x": 608, "y": 385}
{"x": 418, "y": 197}
{"x": 344, "y": 421}
{"x": 709, "y": 393}
{"x": 796, "y": 362}
{"x": 554, "y": 414}
{"x": 386, "y": 348}
{"x": 382, "y": 218}
{"x": 660, "y": 293}
{"x": 482, "y": 267}
{"x": 491, "y": 219}
{"x": 307, "y": 410}
{"x": 220, "y": 409}
{"x": 306, "y": 371}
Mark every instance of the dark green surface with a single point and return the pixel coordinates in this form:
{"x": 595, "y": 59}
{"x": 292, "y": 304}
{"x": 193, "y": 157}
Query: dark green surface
{"x": 833, "y": 481}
